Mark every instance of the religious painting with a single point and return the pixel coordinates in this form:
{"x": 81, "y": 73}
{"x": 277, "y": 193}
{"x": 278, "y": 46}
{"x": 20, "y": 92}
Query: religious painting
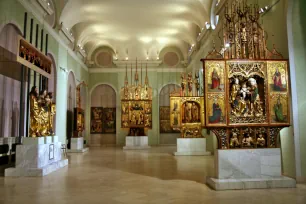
{"x": 109, "y": 120}
{"x": 136, "y": 113}
{"x": 216, "y": 114}
{"x": 215, "y": 72}
{"x": 279, "y": 108}
{"x": 96, "y": 120}
{"x": 277, "y": 76}
{"x": 125, "y": 114}
{"x": 164, "y": 118}
{"x": 79, "y": 121}
{"x": 148, "y": 120}
{"x": 148, "y": 107}
{"x": 175, "y": 113}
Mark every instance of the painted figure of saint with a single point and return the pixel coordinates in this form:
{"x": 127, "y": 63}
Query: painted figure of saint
{"x": 217, "y": 112}
{"x": 277, "y": 81}
{"x": 278, "y": 110}
{"x": 133, "y": 119}
{"x": 215, "y": 80}
{"x": 189, "y": 112}
{"x": 175, "y": 118}
{"x": 195, "y": 112}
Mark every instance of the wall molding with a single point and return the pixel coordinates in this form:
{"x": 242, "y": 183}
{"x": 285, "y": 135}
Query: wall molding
{"x": 116, "y": 70}
{"x": 51, "y": 31}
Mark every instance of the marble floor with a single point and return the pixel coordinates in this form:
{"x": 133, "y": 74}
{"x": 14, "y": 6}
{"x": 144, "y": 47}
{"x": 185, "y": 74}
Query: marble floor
{"x": 111, "y": 175}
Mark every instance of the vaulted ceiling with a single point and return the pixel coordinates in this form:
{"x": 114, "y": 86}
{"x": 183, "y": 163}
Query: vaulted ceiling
{"x": 136, "y": 28}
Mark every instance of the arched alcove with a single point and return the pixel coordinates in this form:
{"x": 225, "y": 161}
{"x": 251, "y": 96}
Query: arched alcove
{"x": 71, "y": 104}
{"x": 103, "y": 98}
{"x": 167, "y": 135}
{"x": 9, "y": 84}
{"x": 52, "y": 84}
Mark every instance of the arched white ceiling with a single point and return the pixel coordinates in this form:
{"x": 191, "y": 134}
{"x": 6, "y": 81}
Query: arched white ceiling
{"x": 136, "y": 26}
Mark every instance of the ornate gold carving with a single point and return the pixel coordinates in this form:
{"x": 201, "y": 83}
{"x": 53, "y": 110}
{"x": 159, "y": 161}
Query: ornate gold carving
{"x": 246, "y": 69}
{"x": 136, "y": 102}
{"x": 42, "y": 111}
{"x": 255, "y": 90}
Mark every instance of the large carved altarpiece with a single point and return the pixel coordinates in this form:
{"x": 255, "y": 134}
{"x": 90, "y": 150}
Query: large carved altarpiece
{"x": 246, "y": 85}
{"x": 247, "y": 101}
{"x": 136, "y": 104}
{"x": 187, "y": 108}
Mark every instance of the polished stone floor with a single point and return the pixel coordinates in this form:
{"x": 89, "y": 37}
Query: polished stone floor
{"x": 111, "y": 175}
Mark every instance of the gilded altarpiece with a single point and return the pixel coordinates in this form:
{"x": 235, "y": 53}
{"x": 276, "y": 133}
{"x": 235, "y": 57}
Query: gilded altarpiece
{"x": 164, "y": 123}
{"x": 136, "y": 102}
{"x": 246, "y": 85}
{"x": 247, "y": 101}
{"x": 187, "y": 108}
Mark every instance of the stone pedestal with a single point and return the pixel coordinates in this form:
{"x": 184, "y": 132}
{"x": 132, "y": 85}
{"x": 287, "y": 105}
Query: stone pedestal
{"x": 37, "y": 158}
{"x": 249, "y": 169}
{"x": 77, "y": 145}
{"x": 191, "y": 147}
{"x": 136, "y": 142}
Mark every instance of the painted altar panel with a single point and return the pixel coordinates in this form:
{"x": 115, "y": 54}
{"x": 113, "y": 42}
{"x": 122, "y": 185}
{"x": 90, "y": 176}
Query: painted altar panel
{"x": 215, "y": 107}
{"x": 96, "y": 120}
{"x": 109, "y": 120}
{"x": 136, "y": 113}
{"x": 187, "y": 115}
{"x": 164, "y": 123}
{"x": 279, "y": 92}
{"x": 215, "y": 89}
{"x": 175, "y": 113}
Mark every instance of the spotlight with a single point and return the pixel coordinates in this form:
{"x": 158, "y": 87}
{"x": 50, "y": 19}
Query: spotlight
{"x": 127, "y": 58}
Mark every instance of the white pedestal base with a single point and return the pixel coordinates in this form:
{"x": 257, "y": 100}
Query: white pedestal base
{"x": 78, "y": 150}
{"x": 248, "y": 169}
{"x": 191, "y": 147}
{"x": 244, "y": 184}
{"x": 136, "y": 142}
{"x": 36, "y": 172}
{"x": 77, "y": 145}
{"x": 37, "y": 158}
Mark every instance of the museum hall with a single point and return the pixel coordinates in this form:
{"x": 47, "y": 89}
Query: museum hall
{"x": 152, "y": 101}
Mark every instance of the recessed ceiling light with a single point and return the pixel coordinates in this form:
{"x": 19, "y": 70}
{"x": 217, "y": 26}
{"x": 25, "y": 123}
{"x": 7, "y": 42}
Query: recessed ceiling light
{"x": 127, "y": 58}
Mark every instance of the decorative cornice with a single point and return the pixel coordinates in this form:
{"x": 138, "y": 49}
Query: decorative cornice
{"x": 115, "y": 70}
{"x": 51, "y": 31}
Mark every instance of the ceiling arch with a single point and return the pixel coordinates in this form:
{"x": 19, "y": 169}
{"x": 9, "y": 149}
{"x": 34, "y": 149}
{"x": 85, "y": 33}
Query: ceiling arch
{"x": 136, "y": 27}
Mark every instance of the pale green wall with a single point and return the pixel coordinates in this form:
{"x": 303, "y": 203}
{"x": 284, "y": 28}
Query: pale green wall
{"x": 156, "y": 80}
{"x": 11, "y": 11}
{"x": 299, "y": 44}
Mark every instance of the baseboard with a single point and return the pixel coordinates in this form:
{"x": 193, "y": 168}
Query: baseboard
{"x": 301, "y": 179}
